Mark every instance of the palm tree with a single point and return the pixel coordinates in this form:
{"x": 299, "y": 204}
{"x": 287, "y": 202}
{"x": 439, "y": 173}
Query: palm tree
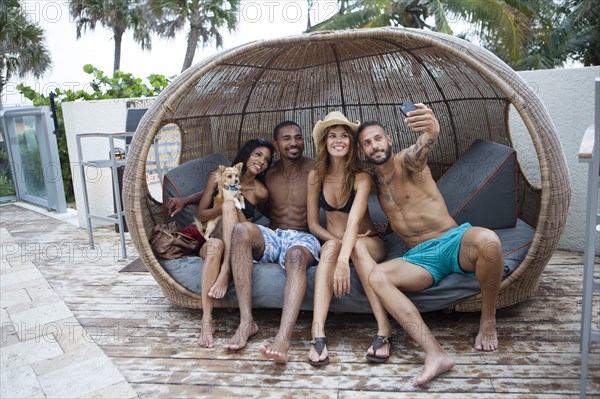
{"x": 379, "y": 13}
{"x": 508, "y": 20}
{"x": 585, "y": 21}
{"x": 117, "y": 15}
{"x": 22, "y": 46}
{"x": 575, "y": 34}
{"x": 561, "y": 31}
{"x": 205, "y": 18}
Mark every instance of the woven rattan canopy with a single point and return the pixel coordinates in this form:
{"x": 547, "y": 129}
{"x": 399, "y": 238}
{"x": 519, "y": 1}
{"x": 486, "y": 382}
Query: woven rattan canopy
{"x": 244, "y": 92}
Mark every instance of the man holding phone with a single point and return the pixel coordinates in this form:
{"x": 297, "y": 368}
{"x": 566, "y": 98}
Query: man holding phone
{"x": 407, "y": 107}
{"x": 417, "y": 213}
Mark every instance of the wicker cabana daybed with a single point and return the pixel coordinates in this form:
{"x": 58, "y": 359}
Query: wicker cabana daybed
{"x": 242, "y": 93}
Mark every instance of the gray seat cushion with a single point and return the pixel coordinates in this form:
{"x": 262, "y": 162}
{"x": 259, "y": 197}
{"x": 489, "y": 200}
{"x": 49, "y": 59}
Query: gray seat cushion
{"x": 269, "y": 279}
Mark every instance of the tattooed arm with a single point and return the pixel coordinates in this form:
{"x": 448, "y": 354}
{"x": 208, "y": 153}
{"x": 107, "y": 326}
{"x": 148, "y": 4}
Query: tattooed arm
{"x": 414, "y": 158}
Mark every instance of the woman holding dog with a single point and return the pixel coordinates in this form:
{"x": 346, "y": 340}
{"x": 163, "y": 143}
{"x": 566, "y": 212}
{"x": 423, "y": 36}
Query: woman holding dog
{"x": 256, "y": 156}
{"x": 339, "y": 187}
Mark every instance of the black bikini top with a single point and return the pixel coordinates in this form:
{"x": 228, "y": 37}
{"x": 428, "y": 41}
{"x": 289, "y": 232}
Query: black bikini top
{"x": 248, "y": 210}
{"x": 326, "y": 207}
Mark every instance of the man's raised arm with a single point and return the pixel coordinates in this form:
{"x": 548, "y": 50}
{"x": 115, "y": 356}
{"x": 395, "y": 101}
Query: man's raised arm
{"x": 422, "y": 120}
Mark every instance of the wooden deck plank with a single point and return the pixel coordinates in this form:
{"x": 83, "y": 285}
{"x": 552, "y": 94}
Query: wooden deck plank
{"x": 154, "y": 343}
{"x": 448, "y": 395}
{"x": 206, "y": 391}
{"x": 465, "y": 367}
{"x": 400, "y": 382}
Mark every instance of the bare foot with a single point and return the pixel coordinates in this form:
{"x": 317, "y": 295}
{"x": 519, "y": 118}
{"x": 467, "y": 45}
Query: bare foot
{"x": 487, "y": 339}
{"x": 206, "y": 335}
{"x": 434, "y": 366}
{"x": 219, "y": 288}
{"x": 383, "y": 352}
{"x": 276, "y": 351}
{"x": 241, "y": 336}
{"x": 313, "y": 356}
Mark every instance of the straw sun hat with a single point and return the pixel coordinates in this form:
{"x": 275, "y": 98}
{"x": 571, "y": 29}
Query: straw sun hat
{"x": 332, "y": 119}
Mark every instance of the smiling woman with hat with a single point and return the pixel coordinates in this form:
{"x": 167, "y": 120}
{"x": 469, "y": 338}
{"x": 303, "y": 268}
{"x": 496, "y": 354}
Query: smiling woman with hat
{"x": 339, "y": 187}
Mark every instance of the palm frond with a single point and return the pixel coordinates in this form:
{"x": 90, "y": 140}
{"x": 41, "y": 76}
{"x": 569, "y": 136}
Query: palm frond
{"x": 497, "y": 21}
{"x": 441, "y": 20}
{"x": 346, "y": 21}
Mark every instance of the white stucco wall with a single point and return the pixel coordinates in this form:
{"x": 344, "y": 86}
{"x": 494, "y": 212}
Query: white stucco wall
{"x": 568, "y": 95}
{"x": 104, "y": 116}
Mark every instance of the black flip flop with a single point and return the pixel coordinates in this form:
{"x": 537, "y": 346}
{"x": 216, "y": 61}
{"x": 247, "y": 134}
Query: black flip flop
{"x": 319, "y": 344}
{"x": 378, "y": 342}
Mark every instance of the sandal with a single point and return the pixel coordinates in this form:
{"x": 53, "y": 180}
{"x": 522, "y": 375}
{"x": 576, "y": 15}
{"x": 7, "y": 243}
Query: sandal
{"x": 319, "y": 344}
{"x": 378, "y": 343}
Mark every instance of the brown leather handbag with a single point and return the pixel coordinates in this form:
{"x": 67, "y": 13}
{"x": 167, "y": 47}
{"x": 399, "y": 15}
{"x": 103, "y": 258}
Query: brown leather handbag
{"x": 168, "y": 243}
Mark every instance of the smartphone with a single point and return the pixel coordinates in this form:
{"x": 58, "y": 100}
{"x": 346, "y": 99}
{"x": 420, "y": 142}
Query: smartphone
{"x": 407, "y": 107}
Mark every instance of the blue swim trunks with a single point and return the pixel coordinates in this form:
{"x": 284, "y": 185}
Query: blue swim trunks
{"x": 279, "y": 241}
{"x": 439, "y": 256}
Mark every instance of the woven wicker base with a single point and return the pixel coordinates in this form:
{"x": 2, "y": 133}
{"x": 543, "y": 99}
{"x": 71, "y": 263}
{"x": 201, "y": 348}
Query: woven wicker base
{"x": 137, "y": 266}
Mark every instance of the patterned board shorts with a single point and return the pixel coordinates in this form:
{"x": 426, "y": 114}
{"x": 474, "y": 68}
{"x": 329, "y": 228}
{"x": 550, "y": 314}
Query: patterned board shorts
{"x": 439, "y": 256}
{"x": 279, "y": 241}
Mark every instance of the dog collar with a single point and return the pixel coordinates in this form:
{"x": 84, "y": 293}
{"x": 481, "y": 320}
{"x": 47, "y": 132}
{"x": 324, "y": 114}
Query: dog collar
{"x": 232, "y": 188}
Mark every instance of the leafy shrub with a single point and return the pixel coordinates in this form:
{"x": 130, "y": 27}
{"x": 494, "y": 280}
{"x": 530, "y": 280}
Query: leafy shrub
{"x": 103, "y": 87}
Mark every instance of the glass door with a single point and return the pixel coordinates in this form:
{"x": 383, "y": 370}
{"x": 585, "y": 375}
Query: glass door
{"x": 7, "y": 186}
{"x": 33, "y": 154}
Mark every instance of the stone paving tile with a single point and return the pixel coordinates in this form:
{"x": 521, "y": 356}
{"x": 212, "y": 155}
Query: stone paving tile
{"x": 72, "y": 337}
{"x": 29, "y": 352}
{"x": 9, "y": 335}
{"x": 20, "y": 382}
{"x": 17, "y": 260}
{"x": 84, "y": 350}
{"x": 121, "y": 390}
{"x": 4, "y": 317}
{"x": 14, "y": 297}
{"x": 41, "y": 291}
{"x": 41, "y": 320}
{"x": 12, "y": 277}
{"x": 5, "y": 235}
{"x": 45, "y": 350}
{"x": 31, "y": 306}
{"x": 11, "y": 252}
{"x": 85, "y": 377}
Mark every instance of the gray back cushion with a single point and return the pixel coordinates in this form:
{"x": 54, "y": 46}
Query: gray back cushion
{"x": 481, "y": 186}
{"x": 187, "y": 179}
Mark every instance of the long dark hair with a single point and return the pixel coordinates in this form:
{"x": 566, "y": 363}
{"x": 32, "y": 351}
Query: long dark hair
{"x": 245, "y": 152}
{"x": 351, "y": 164}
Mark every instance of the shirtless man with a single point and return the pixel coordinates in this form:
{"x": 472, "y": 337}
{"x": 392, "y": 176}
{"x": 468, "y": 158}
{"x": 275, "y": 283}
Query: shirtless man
{"x": 286, "y": 242}
{"x": 417, "y": 212}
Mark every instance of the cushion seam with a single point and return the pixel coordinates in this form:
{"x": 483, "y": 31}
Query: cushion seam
{"x": 484, "y": 184}
{"x": 516, "y": 249}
